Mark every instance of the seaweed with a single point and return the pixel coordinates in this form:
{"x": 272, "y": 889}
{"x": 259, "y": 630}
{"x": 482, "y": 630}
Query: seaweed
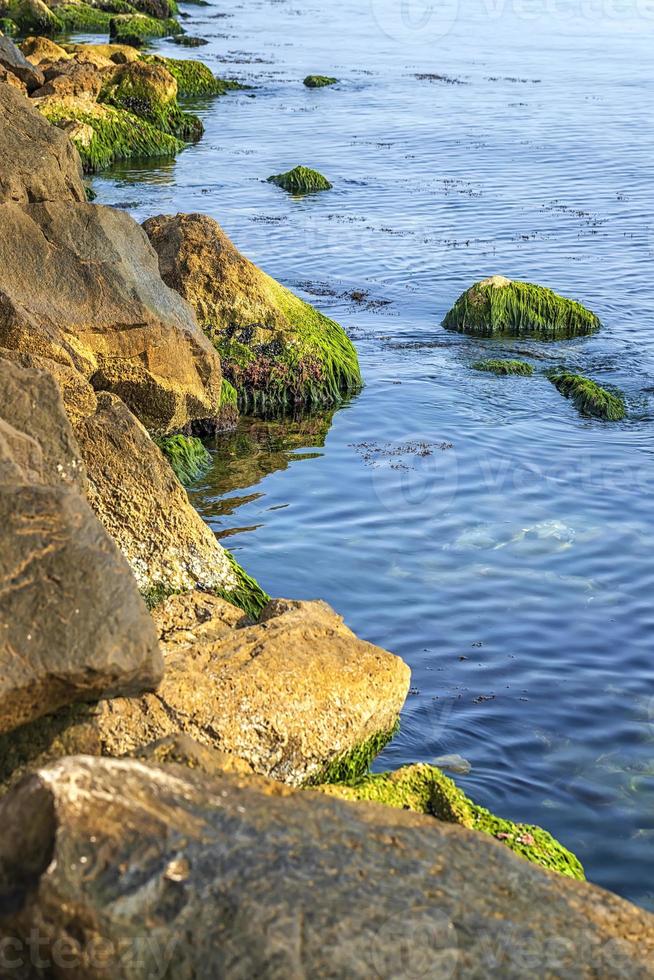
{"x": 319, "y": 81}
{"x": 504, "y": 366}
{"x": 187, "y": 456}
{"x": 193, "y": 77}
{"x": 301, "y": 180}
{"x": 588, "y": 397}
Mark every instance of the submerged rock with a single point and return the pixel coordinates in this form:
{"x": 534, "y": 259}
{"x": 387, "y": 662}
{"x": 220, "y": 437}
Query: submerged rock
{"x": 425, "y": 789}
{"x": 236, "y": 876}
{"x": 301, "y": 180}
{"x": 502, "y": 307}
{"x": 150, "y": 92}
{"x": 589, "y": 397}
{"x": 319, "y": 81}
{"x": 37, "y": 161}
{"x": 187, "y": 456}
{"x": 188, "y": 41}
{"x": 503, "y": 366}
{"x": 84, "y": 290}
{"x": 275, "y": 349}
{"x": 136, "y": 29}
{"x": 295, "y": 696}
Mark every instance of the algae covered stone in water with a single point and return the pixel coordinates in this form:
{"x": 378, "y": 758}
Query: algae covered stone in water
{"x": 301, "y": 180}
{"x": 589, "y": 397}
{"x": 505, "y": 308}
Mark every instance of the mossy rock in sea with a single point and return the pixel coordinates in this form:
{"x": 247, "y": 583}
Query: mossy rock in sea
{"x": 502, "y": 307}
{"x": 150, "y": 92}
{"x": 193, "y": 77}
{"x": 187, "y": 456}
{"x": 504, "y": 366}
{"x": 425, "y": 789}
{"x": 136, "y": 29}
{"x": 277, "y": 351}
{"x": 589, "y": 397}
{"x": 319, "y": 81}
{"x": 301, "y": 180}
{"x": 28, "y": 17}
{"x": 189, "y": 41}
{"x": 104, "y": 134}
{"x": 83, "y": 17}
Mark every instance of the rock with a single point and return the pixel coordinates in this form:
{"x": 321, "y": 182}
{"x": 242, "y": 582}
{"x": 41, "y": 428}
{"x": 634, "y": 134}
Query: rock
{"x": 319, "y": 81}
{"x": 234, "y": 877}
{"x": 84, "y": 290}
{"x": 136, "y": 29}
{"x": 145, "y": 509}
{"x": 9, "y": 78}
{"x": 589, "y": 397}
{"x": 69, "y": 78}
{"x": 502, "y": 307}
{"x": 193, "y": 77}
{"x": 301, "y": 180}
{"x": 30, "y": 16}
{"x": 150, "y": 92}
{"x": 188, "y": 41}
{"x": 117, "y": 134}
{"x": 37, "y": 162}
{"x": 296, "y": 696}
{"x": 504, "y": 366}
{"x": 72, "y": 625}
{"x": 275, "y": 349}
{"x": 184, "y": 751}
{"x": 12, "y": 59}
{"x": 424, "y": 789}
{"x": 118, "y": 54}
{"x": 159, "y": 9}
{"x": 41, "y": 49}
{"x": 75, "y": 16}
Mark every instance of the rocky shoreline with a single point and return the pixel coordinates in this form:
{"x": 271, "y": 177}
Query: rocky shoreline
{"x": 185, "y": 763}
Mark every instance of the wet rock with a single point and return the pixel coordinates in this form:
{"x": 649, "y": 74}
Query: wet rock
{"x": 319, "y": 81}
{"x": 502, "y": 307}
{"x": 37, "y": 162}
{"x": 84, "y": 290}
{"x": 301, "y": 180}
{"x": 141, "y": 503}
{"x": 233, "y": 876}
{"x": 275, "y": 349}
{"x": 294, "y": 696}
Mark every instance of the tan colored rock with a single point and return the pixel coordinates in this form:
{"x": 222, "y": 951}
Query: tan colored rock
{"x": 37, "y": 161}
{"x": 8, "y": 78}
{"x": 70, "y": 78}
{"x": 289, "y": 695}
{"x": 84, "y": 290}
{"x": 42, "y": 49}
{"x": 117, "y": 54}
{"x": 172, "y": 872}
{"x": 143, "y": 506}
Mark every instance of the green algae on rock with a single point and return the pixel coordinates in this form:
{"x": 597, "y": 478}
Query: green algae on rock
{"x": 135, "y": 29}
{"x": 150, "y": 92}
{"x": 502, "y": 307}
{"x": 589, "y": 397}
{"x": 187, "y": 456}
{"x": 301, "y": 180}
{"x": 8, "y": 27}
{"x": 319, "y": 81}
{"x": 425, "y": 789}
{"x": 355, "y": 764}
{"x": 275, "y": 349}
{"x": 104, "y": 134}
{"x": 83, "y": 17}
{"x": 193, "y": 77}
{"x": 28, "y": 17}
{"x": 503, "y": 366}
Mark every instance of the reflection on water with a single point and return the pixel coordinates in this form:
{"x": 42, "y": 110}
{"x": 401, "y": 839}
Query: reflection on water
{"x": 514, "y": 570}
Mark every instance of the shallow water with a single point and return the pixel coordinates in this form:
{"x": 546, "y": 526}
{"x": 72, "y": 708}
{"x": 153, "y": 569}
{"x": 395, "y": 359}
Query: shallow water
{"x": 477, "y": 526}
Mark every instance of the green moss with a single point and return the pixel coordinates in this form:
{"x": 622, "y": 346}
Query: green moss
{"x": 116, "y": 133}
{"x": 247, "y": 594}
{"x": 157, "y": 594}
{"x": 8, "y": 27}
{"x": 228, "y": 394}
{"x": 301, "y": 180}
{"x": 189, "y": 41}
{"x": 588, "y": 396}
{"x": 501, "y": 366}
{"x": 28, "y": 18}
{"x": 352, "y": 766}
{"x": 425, "y": 789}
{"x": 187, "y": 456}
{"x": 127, "y": 91}
{"x": 83, "y": 17}
{"x": 193, "y": 77}
{"x": 135, "y": 29}
{"x": 319, "y": 81}
{"x": 500, "y": 307}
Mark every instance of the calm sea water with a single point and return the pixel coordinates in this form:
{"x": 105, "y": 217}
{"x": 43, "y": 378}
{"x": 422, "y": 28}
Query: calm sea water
{"x": 477, "y": 526}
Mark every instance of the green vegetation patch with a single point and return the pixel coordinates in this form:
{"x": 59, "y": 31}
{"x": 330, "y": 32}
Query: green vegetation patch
{"x": 135, "y": 29}
{"x": 193, "y": 77}
{"x": 28, "y": 17}
{"x": 425, "y": 789}
{"x": 504, "y": 366}
{"x": 500, "y": 307}
{"x": 83, "y": 17}
{"x": 301, "y": 180}
{"x": 589, "y": 397}
{"x": 150, "y": 92}
{"x": 105, "y": 134}
{"x": 187, "y": 456}
{"x": 352, "y": 766}
{"x": 8, "y": 27}
{"x": 319, "y": 81}
{"x": 247, "y": 594}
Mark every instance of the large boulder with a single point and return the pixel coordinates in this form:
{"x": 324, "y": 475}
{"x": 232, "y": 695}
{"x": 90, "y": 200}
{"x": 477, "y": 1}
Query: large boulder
{"x": 84, "y": 289}
{"x": 37, "y": 161}
{"x": 276, "y": 349}
{"x": 39, "y": 50}
{"x": 72, "y": 625}
{"x": 125, "y": 870}
{"x": 70, "y": 78}
{"x": 296, "y": 696}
